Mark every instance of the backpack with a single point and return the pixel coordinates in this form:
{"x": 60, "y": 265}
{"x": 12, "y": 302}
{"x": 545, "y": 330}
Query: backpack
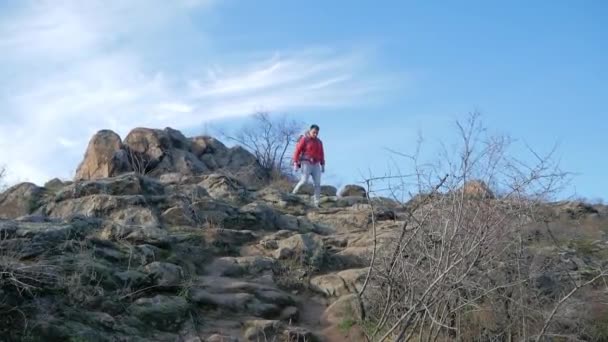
{"x": 306, "y": 140}
{"x": 302, "y": 136}
{"x": 305, "y": 137}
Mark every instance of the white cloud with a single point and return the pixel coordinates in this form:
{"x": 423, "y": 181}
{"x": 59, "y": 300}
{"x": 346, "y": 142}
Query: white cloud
{"x": 81, "y": 67}
{"x": 175, "y": 107}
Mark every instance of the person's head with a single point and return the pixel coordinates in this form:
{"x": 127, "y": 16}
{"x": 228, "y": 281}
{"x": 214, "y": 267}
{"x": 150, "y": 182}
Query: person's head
{"x": 313, "y": 131}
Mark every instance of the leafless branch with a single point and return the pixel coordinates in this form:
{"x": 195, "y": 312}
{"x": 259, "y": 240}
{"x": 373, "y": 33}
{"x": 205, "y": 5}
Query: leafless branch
{"x": 269, "y": 139}
{"x": 459, "y": 251}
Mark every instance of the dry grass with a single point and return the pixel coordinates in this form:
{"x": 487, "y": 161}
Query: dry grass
{"x": 282, "y": 183}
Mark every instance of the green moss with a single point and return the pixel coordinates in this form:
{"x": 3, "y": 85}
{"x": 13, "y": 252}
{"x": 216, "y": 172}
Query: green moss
{"x": 589, "y": 248}
{"x": 346, "y": 324}
{"x": 598, "y": 328}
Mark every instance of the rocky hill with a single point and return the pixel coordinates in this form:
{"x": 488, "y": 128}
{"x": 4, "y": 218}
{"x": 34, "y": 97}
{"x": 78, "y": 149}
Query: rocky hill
{"x": 166, "y": 238}
{"x": 182, "y": 249}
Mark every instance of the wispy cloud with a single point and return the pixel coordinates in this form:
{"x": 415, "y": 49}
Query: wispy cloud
{"x": 76, "y": 67}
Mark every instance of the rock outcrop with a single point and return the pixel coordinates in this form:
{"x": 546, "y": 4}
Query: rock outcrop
{"x": 352, "y": 190}
{"x": 155, "y": 152}
{"x": 159, "y": 229}
{"x": 105, "y": 157}
{"x": 19, "y": 200}
{"x": 477, "y": 189}
{"x": 188, "y": 250}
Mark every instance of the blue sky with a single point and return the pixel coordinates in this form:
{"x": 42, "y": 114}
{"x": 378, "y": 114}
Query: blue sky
{"x": 371, "y": 75}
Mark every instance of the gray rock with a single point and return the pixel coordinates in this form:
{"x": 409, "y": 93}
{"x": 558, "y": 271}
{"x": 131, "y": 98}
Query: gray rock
{"x": 133, "y": 279}
{"x": 122, "y": 185}
{"x": 238, "y": 266}
{"x": 224, "y": 187}
{"x": 346, "y": 307}
{"x": 165, "y": 313}
{"x": 55, "y": 184}
{"x": 352, "y": 190}
{"x": 178, "y": 216}
{"x": 136, "y": 234}
{"x": 165, "y": 274}
{"x": 229, "y": 237}
{"x": 129, "y": 210}
{"x": 19, "y": 200}
{"x": 340, "y": 283}
{"x": 221, "y": 338}
{"x": 262, "y": 330}
{"x": 304, "y": 248}
{"x": 290, "y": 314}
{"x": 326, "y": 190}
{"x": 228, "y": 301}
{"x": 286, "y": 202}
{"x": 104, "y": 157}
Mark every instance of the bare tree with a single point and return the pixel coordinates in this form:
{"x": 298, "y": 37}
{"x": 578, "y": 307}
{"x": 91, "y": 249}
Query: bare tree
{"x": 458, "y": 268}
{"x": 2, "y": 176}
{"x": 138, "y": 159}
{"x": 139, "y": 162}
{"x": 270, "y": 140}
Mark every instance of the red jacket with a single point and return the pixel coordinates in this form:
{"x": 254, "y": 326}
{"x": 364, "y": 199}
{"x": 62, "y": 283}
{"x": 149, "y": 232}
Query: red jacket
{"x": 309, "y": 149}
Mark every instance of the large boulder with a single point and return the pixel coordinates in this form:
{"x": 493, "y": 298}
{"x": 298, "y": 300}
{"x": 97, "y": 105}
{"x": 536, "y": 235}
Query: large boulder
{"x": 211, "y": 146}
{"x": 136, "y": 234}
{"x": 165, "y": 313}
{"x": 238, "y": 266}
{"x": 477, "y": 189}
{"x": 55, "y": 184}
{"x": 257, "y": 216}
{"x": 221, "y": 186}
{"x": 353, "y": 190}
{"x": 340, "y": 283}
{"x": 181, "y": 161}
{"x": 198, "y": 145}
{"x": 104, "y": 157}
{"x": 178, "y": 216}
{"x": 298, "y": 224}
{"x": 156, "y": 152}
{"x": 214, "y": 213}
{"x": 130, "y": 210}
{"x": 261, "y": 299}
{"x": 151, "y": 144}
{"x": 286, "y": 202}
{"x": 236, "y": 160}
{"x": 23, "y": 240}
{"x": 221, "y": 338}
{"x": 347, "y": 307}
{"x": 274, "y": 330}
{"x": 239, "y": 159}
{"x": 228, "y": 237}
{"x": 307, "y": 249}
{"x": 178, "y": 140}
{"x": 165, "y": 274}
{"x": 342, "y": 220}
{"x": 574, "y": 209}
{"x": 260, "y": 330}
{"x": 19, "y": 200}
{"x": 123, "y": 185}
{"x": 326, "y": 190}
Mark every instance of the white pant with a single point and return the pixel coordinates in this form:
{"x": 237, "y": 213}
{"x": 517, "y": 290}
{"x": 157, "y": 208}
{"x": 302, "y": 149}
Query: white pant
{"x": 307, "y": 170}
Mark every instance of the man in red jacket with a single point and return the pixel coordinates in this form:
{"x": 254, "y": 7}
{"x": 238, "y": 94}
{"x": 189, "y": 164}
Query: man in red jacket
{"x": 309, "y": 157}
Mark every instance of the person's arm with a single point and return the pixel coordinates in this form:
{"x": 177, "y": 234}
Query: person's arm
{"x": 322, "y": 157}
{"x": 298, "y": 152}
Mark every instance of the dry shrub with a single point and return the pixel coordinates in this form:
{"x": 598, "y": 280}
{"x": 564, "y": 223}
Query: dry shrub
{"x": 461, "y": 269}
